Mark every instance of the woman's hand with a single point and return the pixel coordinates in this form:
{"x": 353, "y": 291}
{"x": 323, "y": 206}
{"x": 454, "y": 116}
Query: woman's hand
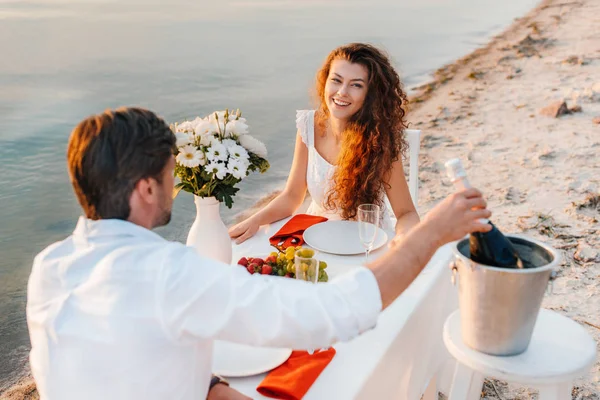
{"x": 244, "y": 230}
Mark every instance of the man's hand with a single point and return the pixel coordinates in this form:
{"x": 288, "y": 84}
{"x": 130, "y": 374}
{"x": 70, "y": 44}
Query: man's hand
{"x": 224, "y": 392}
{"x": 453, "y": 218}
{"x": 458, "y": 215}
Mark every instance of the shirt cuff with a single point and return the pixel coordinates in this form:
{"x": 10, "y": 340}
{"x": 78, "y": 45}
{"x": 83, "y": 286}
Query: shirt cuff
{"x": 361, "y": 290}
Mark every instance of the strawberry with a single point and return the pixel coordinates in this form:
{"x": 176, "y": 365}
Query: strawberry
{"x": 258, "y": 261}
{"x": 243, "y": 262}
{"x": 253, "y": 267}
{"x": 266, "y": 269}
{"x": 288, "y": 275}
{"x": 271, "y": 260}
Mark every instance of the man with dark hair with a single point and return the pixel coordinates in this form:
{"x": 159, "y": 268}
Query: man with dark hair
{"x": 117, "y": 312}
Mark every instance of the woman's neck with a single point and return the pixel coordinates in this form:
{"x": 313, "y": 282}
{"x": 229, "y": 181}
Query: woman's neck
{"x": 336, "y": 127}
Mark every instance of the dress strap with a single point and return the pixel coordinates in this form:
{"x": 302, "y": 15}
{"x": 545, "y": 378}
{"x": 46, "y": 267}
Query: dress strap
{"x": 305, "y": 125}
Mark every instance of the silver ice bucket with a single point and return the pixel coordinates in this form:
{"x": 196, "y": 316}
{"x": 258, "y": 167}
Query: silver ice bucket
{"x": 499, "y": 306}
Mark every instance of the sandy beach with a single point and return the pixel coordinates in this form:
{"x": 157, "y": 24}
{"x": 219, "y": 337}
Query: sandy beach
{"x": 496, "y": 109}
{"x": 540, "y": 173}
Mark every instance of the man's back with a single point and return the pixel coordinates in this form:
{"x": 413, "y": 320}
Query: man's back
{"x": 94, "y": 323}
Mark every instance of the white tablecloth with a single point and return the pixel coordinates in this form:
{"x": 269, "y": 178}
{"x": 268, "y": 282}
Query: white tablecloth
{"x": 397, "y": 359}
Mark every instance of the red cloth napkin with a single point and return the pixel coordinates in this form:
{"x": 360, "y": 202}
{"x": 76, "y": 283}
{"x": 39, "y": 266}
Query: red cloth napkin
{"x": 293, "y": 229}
{"x": 292, "y": 379}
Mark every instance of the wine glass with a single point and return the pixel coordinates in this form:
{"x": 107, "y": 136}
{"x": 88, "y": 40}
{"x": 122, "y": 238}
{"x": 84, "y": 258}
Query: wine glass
{"x": 368, "y": 221}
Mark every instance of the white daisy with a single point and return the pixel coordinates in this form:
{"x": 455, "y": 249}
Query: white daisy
{"x": 238, "y": 152}
{"x": 218, "y": 169}
{"x": 189, "y": 156}
{"x": 228, "y": 143}
{"x": 253, "y": 145}
{"x": 237, "y": 168}
{"x": 217, "y": 152}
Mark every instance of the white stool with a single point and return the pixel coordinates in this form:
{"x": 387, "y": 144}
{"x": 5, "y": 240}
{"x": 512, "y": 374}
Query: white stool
{"x": 560, "y": 351}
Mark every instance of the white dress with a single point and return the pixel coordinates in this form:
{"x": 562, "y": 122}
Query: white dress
{"x": 319, "y": 174}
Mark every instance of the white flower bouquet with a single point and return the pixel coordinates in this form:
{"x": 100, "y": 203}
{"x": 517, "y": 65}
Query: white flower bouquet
{"x": 215, "y": 153}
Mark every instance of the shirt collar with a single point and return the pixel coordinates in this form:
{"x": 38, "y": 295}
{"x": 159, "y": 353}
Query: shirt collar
{"x": 87, "y": 228}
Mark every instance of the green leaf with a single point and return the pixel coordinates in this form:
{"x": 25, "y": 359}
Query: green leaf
{"x": 177, "y": 189}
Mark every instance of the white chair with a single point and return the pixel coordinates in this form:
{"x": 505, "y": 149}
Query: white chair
{"x": 560, "y": 351}
{"x": 413, "y": 137}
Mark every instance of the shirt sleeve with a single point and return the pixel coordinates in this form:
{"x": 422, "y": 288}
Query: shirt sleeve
{"x": 202, "y": 298}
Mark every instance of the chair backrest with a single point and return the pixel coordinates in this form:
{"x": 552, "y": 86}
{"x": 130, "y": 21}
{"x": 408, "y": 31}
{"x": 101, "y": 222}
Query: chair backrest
{"x": 413, "y": 137}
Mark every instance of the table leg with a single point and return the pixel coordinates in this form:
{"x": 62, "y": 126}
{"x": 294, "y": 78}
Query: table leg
{"x": 559, "y": 391}
{"x": 466, "y": 384}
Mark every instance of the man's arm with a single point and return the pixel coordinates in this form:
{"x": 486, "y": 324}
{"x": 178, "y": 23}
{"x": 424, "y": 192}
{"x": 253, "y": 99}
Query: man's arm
{"x": 202, "y": 298}
{"x": 452, "y": 219}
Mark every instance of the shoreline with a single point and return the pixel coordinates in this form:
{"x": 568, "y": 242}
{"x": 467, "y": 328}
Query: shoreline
{"x": 485, "y": 107}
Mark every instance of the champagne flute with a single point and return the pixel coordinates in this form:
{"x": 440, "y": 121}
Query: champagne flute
{"x": 368, "y": 221}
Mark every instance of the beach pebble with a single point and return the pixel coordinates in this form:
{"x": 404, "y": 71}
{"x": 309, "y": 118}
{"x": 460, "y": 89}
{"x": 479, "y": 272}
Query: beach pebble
{"x": 575, "y": 109}
{"x": 596, "y": 120}
{"x": 586, "y": 253}
{"x": 555, "y": 109}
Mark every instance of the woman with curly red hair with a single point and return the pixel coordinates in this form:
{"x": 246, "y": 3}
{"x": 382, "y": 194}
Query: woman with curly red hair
{"x": 349, "y": 150}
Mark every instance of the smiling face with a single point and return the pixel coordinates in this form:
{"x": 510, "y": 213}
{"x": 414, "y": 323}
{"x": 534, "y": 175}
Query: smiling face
{"x": 345, "y": 89}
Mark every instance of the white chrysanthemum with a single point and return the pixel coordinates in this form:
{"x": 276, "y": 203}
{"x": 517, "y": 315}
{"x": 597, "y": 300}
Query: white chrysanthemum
{"x": 216, "y": 168}
{"x": 237, "y": 127}
{"x": 185, "y": 126}
{"x": 237, "y": 168}
{"x": 207, "y": 139}
{"x": 183, "y": 139}
{"x": 238, "y": 152}
{"x": 218, "y": 126}
{"x": 253, "y": 145}
{"x": 203, "y": 127}
{"x": 219, "y": 114}
{"x": 217, "y": 152}
{"x": 189, "y": 156}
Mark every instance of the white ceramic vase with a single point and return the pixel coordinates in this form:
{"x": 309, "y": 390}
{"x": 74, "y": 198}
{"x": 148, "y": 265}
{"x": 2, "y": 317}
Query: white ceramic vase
{"x": 208, "y": 234}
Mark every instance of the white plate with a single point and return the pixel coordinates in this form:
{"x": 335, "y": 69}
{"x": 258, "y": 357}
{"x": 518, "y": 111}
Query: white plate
{"x": 237, "y": 360}
{"x": 340, "y": 237}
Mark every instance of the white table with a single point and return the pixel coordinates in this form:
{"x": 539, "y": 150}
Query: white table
{"x": 399, "y": 357}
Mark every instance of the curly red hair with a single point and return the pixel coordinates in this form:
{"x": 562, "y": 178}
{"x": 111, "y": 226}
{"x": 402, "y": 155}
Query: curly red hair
{"x": 374, "y": 137}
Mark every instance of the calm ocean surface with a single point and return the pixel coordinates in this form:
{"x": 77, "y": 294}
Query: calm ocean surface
{"x": 61, "y": 60}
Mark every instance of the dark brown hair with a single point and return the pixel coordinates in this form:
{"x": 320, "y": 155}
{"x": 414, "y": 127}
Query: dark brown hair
{"x": 110, "y": 152}
{"x": 374, "y": 138}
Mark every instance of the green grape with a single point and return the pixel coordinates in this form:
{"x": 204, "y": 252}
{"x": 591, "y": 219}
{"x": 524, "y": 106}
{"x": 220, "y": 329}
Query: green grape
{"x": 322, "y": 265}
{"x": 281, "y": 272}
{"x": 289, "y": 253}
{"x": 306, "y": 253}
{"x": 323, "y": 276}
{"x": 274, "y": 253}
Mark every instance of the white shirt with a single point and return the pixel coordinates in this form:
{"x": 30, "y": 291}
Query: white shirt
{"x": 117, "y": 312}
